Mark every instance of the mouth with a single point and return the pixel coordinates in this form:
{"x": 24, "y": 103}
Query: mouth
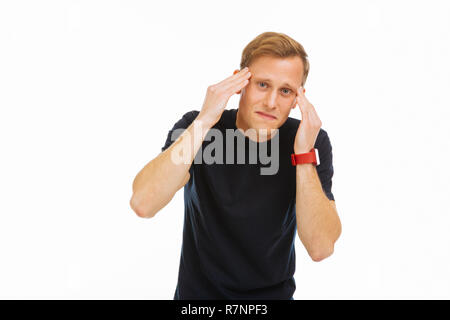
{"x": 266, "y": 116}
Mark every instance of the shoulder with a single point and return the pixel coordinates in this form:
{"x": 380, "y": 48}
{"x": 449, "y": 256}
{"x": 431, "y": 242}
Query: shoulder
{"x": 190, "y": 115}
{"x": 323, "y": 140}
{"x": 185, "y": 120}
{"x": 183, "y": 123}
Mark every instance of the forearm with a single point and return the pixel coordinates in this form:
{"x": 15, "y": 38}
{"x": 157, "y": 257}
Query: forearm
{"x": 318, "y": 224}
{"x": 156, "y": 184}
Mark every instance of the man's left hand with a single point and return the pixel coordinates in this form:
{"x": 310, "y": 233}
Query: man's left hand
{"x": 309, "y": 125}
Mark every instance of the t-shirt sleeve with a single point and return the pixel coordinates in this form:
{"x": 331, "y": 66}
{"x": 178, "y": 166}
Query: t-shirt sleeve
{"x": 183, "y": 123}
{"x": 325, "y": 169}
{"x": 174, "y": 133}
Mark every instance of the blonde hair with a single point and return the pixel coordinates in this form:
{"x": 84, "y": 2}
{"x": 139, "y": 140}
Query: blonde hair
{"x": 274, "y": 44}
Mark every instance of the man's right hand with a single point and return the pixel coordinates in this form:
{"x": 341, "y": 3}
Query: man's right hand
{"x": 217, "y": 96}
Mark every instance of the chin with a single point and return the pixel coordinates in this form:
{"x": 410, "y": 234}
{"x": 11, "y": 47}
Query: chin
{"x": 260, "y": 126}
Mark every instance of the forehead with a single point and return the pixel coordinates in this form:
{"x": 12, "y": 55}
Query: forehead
{"x": 280, "y": 70}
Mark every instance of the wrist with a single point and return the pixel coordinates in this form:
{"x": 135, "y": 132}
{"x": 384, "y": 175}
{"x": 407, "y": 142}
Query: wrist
{"x": 301, "y": 150}
{"x": 204, "y": 122}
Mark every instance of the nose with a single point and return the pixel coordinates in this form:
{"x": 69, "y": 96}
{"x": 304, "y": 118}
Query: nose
{"x": 271, "y": 99}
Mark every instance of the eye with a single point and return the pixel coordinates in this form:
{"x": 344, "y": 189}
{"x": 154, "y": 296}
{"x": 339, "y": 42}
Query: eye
{"x": 289, "y": 91}
{"x": 261, "y": 82}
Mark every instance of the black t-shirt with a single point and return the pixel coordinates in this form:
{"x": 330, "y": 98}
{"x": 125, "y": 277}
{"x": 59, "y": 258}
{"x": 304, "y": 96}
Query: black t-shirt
{"x": 239, "y": 225}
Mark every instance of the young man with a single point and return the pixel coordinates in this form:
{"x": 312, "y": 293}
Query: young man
{"x": 240, "y": 223}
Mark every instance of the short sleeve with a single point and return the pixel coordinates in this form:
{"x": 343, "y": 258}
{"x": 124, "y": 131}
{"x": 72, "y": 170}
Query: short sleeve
{"x": 174, "y": 133}
{"x": 183, "y": 123}
{"x": 325, "y": 169}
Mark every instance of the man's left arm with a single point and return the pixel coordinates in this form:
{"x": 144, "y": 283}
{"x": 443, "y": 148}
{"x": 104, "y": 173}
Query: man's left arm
{"x": 318, "y": 223}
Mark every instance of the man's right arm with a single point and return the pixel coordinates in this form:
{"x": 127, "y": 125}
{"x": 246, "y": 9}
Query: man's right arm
{"x": 156, "y": 184}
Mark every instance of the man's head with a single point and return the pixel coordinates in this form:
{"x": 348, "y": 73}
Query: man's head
{"x": 278, "y": 66}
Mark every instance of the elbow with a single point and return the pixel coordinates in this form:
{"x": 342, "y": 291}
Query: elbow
{"x": 140, "y": 209}
{"x": 318, "y": 255}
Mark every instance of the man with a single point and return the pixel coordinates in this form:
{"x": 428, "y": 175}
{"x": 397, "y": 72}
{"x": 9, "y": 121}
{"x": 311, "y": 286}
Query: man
{"x": 239, "y": 224}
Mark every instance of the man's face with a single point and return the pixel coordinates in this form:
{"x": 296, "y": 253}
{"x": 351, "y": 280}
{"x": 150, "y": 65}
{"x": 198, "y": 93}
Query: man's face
{"x": 272, "y": 90}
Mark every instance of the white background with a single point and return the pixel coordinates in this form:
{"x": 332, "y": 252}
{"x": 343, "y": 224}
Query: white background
{"x": 89, "y": 90}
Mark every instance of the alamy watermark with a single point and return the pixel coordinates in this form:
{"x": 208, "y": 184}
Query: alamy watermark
{"x": 205, "y": 155}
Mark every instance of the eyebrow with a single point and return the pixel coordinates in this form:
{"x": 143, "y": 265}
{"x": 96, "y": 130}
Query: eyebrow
{"x": 268, "y": 80}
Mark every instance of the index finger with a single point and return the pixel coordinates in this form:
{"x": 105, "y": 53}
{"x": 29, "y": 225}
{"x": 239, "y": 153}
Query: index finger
{"x": 237, "y": 75}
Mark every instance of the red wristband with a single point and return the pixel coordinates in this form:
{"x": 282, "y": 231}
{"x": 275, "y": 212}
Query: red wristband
{"x": 310, "y": 157}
